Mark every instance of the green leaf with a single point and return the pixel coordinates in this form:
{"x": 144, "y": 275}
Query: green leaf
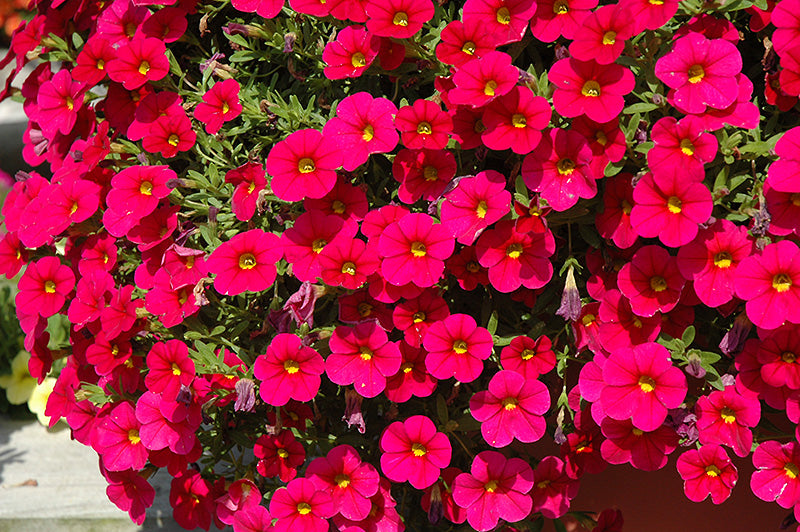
{"x": 688, "y": 335}
{"x": 492, "y": 325}
{"x": 642, "y": 107}
{"x": 559, "y": 525}
{"x": 441, "y": 410}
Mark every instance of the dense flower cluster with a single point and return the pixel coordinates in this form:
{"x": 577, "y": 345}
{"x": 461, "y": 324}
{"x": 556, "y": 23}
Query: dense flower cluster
{"x": 395, "y": 263}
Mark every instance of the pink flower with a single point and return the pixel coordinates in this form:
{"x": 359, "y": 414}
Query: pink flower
{"x": 474, "y": 204}
{"x": 670, "y": 207}
{"x": 423, "y": 173}
{"x": 414, "y": 451}
{"x": 350, "y": 54}
{"x": 400, "y": 19}
{"x": 708, "y": 471}
{"x": 169, "y": 368}
{"x": 139, "y": 61}
{"x": 220, "y": 104}
{"x": 135, "y": 193}
{"x": 59, "y": 100}
{"x": 44, "y": 287}
{"x": 782, "y": 173}
{"x": 348, "y": 263}
{"x": 702, "y": 72}
{"x": 560, "y": 18}
{"x": 301, "y": 506}
{"x": 303, "y": 165}
{"x": 423, "y": 124}
{"x": 167, "y": 423}
{"x": 625, "y": 443}
{"x": 725, "y": 417}
{"x": 770, "y": 283}
{"x": 348, "y": 480}
{"x": 641, "y": 384}
{"x": 279, "y": 455}
{"x": 615, "y": 220}
{"x": 515, "y": 120}
{"x": 289, "y": 370}
{"x": 462, "y": 42}
{"x": 246, "y": 262}
{"x": 483, "y": 79}
{"x": 116, "y": 439}
{"x": 602, "y": 35}
{"x": 457, "y": 348}
{"x": 651, "y": 281}
{"x": 777, "y": 470}
{"x": 511, "y": 407}
{"x": 553, "y": 489}
{"x": 586, "y": 87}
{"x": 362, "y": 356}
{"x": 507, "y": 20}
{"x": 528, "y": 357}
{"x": 413, "y": 378}
{"x": 249, "y": 180}
{"x": 414, "y": 250}
{"x": 495, "y": 488}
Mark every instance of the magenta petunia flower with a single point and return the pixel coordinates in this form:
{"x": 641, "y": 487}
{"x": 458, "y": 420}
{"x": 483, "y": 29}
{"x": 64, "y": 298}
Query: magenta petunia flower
{"x": 311, "y": 233}
{"x": 651, "y": 281}
{"x": 495, "y": 488}
{"x": 135, "y": 193}
{"x": 559, "y": 169}
{"x": 602, "y": 35}
{"x": 300, "y": 505}
{"x": 644, "y": 14}
{"x": 265, "y": 8}
{"x": 702, "y": 72}
{"x": 348, "y": 263}
{"x": 245, "y": 263}
{"x": 423, "y": 125}
{"x": 770, "y": 283}
{"x": 553, "y": 489}
{"x": 462, "y": 42}
{"x": 139, "y": 61}
{"x": 414, "y": 249}
{"x": 506, "y": 20}
{"x": 707, "y": 471}
{"x": 777, "y": 356}
{"x": 382, "y": 514}
{"x": 641, "y": 384}
{"x": 515, "y": 259}
{"x": 303, "y": 165}
{"x": 515, "y": 121}
{"x": 362, "y": 356}
{"x": 192, "y": 501}
{"x": 167, "y": 423}
{"x": 59, "y": 100}
{"x": 512, "y": 407}
{"x": 560, "y": 18}
{"x": 169, "y": 368}
{"x": 725, "y": 418}
{"x": 712, "y": 258}
{"x": 474, "y": 204}
{"x": 586, "y": 87}
{"x": 279, "y": 455}
{"x": 116, "y": 439}
{"x": 288, "y": 370}
{"x": 400, "y": 19}
{"x": 414, "y": 315}
{"x": 681, "y": 147}
{"x": 670, "y": 207}
{"x": 457, "y": 348}
{"x": 413, "y": 378}
{"x": 44, "y": 287}
{"x": 363, "y": 125}
{"x": 413, "y": 450}
{"x": 782, "y": 174}
{"x": 528, "y": 357}
{"x": 131, "y": 492}
{"x": 483, "y": 79}
{"x": 423, "y": 173}
{"x": 351, "y": 53}
{"x": 220, "y": 104}
{"x": 249, "y": 180}
{"x": 348, "y": 480}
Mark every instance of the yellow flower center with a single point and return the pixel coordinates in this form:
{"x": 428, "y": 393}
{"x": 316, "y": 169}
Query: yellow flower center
{"x": 424, "y": 128}
{"x": 468, "y": 48}
{"x": 291, "y": 366}
{"x": 176, "y": 370}
{"x": 304, "y": 508}
{"x": 481, "y": 209}
{"x": 565, "y": 166}
{"x": 247, "y": 261}
{"x": 225, "y": 108}
{"x": 626, "y": 207}
{"x": 479, "y": 127}
{"x": 70, "y": 103}
{"x": 647, "y": 384}
{"x": 366, "y": 353}
{"x": 610, "y": 37}
{"x": 460, "y": 347}
{"x": 781, "y": 282}
{"x": 527, "y": 354}
{"x": 358, "y": 60}
{"x": 101, "y": 64}
{"x": 674, "y": 204}
{"x": 407, "y": 367}
{"x": 364, "y": 309}
{"x": 722, "y": 259}
{"x": 518, "y": 120}
{"x": 503, "y": 16}
{"x": 514, "y": 250}
{"x": 368, "y": 134}
{"x": 591, "y": 88}
{"x": 306, "y": 166}
{"x": 133, "y": 437}
{"x": 430, "y": 173}
{"x": 712, "y": 471}
{"x": 510, "y": 403}
{"x": 658, "y": 283}
{"x": 472, "y": 267}
{"x": 146, "y": 188}
{"x": 788, "y": 357}
{"x": 696, "y": 73}
{"x": 144, "y": 68}
{"x": 687, "y": 147}
{"x": 490, "y": 486}
{"x": 588, "y": 319}
{"x": 795, "y": 199}
{"x": 490, "y": 87}
{"x": 282, "y": 453}
{"x": 342, "y": 480}
{"x": 50, "y": 287}
{"x": 400, "y": 19}
{"x": 173, "y": 140}
{"x": 560, "y": 7}
{"x": 318, "y": 245}
{"x": 419, "y": 317}
{"x": 637, "y": 432}
{"x": 349, "y": 268}
{"x": 418, "y": 449}
{"x": 338, "y": 206}
{"x": 600, "y": 137}
{"x": 791, "y": 470}
{"x": 418, "y": 249}
{"x": 728, "y": 415}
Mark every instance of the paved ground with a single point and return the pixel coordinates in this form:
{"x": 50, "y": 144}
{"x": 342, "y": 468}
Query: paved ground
{"x": 49, "y": 483}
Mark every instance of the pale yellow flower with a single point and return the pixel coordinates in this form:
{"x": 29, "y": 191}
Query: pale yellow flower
{"x": 38, "y": 400}
{"x": 19, "y": 385}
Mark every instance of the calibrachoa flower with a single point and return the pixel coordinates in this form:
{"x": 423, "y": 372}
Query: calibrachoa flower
{"x": 414, "y": 451}
{"x": 303, "y": 165}
{"x": 615, "y": 220}
{"x": 507, "y": 20}
{"x": 681, "y": 147}
{"x": 348, "y": 480}
{"x": 398, "y": 18}
{"x": 350, "y": 54}
{"x": 246, "y": 262}
{"x": 625, "y": 443}
{"x": 602, "y": 35}
{"x": 423, "y": 125}
{"x": 495, "y": 488}
{"x": 249, "y": 180}
{"x": 220, "y": 104}
{"x": 457, "y": 348}
{"x": 560, "y": 18}
{"x": 651, "y": 281}
{"x": 279, "y": 455}
{"x": 289, "y": 370}
{"x": 708, "y": 471}
{"x": 462, "y": 42}
{"x": 586, "y": 87}
{"x": 483, "y": 79}
{"x": 139, "y": 61}
{"x": 423, "y": 173}
{"x": 515, "y": 120}
{"x": 552, "y": 489}
{"x": 770, "y": 283}
{"x": 511, "y": 407}
{"x": 301, "y": 506}
{"x": 528, "y": 357}
{"x": 44, "y": 287}
{"x": 170, "y": 368}
{"x": 414, "y": 249}
{"x": 474, "y": 204}
{"x": 725, "y": 417}
{"x": 362, "y": 356}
